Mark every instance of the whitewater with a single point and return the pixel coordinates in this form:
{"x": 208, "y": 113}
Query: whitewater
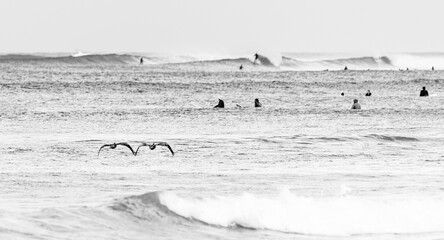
{"x": 304, "y": 166}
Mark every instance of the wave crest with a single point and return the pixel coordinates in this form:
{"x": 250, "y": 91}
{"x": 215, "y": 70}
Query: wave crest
{"x": 336, "y": 216}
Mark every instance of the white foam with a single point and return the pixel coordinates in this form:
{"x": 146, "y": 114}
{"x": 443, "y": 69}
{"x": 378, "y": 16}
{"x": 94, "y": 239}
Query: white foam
{"x": 339, "y": 216}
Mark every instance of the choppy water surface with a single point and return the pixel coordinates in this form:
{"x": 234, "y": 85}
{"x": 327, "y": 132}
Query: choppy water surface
{"x": 304, "y": 166}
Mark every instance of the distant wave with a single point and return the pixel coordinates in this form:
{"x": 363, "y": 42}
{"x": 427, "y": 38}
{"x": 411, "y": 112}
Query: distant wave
{"x": 12, "y": 57}
{"x": 91, "y": 59}
{"x": 335, "y": 216}
{"x": 228, "y": 63}
{"x": 361, "y": 63}
{"x": 297, "y": 62}
{"x": 392, "y": 138}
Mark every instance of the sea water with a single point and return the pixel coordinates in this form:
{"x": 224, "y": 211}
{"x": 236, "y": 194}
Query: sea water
{"x": 304, "y": 166}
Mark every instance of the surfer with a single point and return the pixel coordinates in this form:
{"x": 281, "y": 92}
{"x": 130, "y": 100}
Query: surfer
{"x": 433, "y": 68}
{"x": 257, "y": 103}
{"x": 221, "y": 104}
{"x": 241, "y": 67}
{"x": 342, "y": 94}
{"x": 424, "y": 92}
{"x": 346, "y": 68}
{"x": 256, "y": 57}
{"x": 153, "y": 146}
{"x": 356, "y": 104}
{"x": 368, "y": 94}
{"x": 114, "y": 145}
{"x": 141, "y": 60}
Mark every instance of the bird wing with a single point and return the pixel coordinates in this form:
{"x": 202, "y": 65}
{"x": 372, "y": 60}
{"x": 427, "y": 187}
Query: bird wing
{"x": 165, "y": 145}
{"x": 128, "y": 146}
{"x": 141, "y": 145}
{"x": 106, "y": 145}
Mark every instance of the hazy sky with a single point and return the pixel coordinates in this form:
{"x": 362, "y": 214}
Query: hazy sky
{"x": 206, "y": 26}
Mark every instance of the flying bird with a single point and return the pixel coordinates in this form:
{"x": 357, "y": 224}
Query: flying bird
{"x": 114, "y": 145}
{"x": 153, "y": 146}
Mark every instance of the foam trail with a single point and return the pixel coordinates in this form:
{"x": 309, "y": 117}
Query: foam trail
{"x": 337, "y": 216}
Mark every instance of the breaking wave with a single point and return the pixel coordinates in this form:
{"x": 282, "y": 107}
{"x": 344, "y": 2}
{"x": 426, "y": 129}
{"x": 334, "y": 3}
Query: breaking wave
{"x": 335, "y": 216}
{"x": 392, "y": 138}
{"x": 362, "y": 63}
{"x": 297, "y": 62}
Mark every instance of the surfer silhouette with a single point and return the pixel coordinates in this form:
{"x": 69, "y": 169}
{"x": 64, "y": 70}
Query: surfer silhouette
{"x": 141, "y": 60}
{"x": 256, "y": 57}
{"x": 221, "y": 104}
{"x": 356, "y": 104}
{"x": 342, "y": 94}
{"x": 257, "y": 103}
{"x": 424, "y": 92}
{"x": 346, "y": 68}
{"x": 368, "y": 94}
{"x": 241, "y": 67}
{"x": 433, "y": 68}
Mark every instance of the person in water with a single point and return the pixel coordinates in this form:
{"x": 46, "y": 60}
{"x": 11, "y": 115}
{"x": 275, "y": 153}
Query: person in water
{"x": 256, "y": 57}
{"x": 368, "y": 94}
{"x": 433, "y": 68}
{"x": 424, "y": 92}
{"x": 141, "y": 60}
{"x": 257, "y": 103}
{"x": 356, "y": 104}
{"x": 241, "y": 67}
{"x": 221, "y": 104}
{"x": 346, "y": 68}
{"x": 342, "y": 94}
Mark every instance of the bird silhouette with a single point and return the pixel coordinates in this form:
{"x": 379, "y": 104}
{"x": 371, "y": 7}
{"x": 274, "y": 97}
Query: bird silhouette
{"x": 114, "y": 145}
{"x": 152, "y": 146}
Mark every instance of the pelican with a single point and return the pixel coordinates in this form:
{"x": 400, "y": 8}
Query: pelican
{"x": 114, "y": 145}
{"x": 153, "y": 146}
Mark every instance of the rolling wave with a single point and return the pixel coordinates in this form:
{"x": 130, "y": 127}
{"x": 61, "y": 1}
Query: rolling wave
{"x": 335, "y": 216}
{"x": 392, "y": 138}
{"x": 362, "y": 63}
{"x": 92, "y": 59}
{"x": 286, "y": 62}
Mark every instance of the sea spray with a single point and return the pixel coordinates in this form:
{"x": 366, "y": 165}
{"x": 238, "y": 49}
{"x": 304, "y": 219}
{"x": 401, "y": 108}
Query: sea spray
{"x": 338, "y": 216}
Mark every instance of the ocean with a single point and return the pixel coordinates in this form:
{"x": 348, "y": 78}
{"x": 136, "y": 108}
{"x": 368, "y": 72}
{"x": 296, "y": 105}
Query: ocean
{"x": 303, "y": 166}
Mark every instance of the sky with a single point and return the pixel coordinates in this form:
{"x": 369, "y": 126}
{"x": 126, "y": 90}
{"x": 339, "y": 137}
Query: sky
{"x": 221, "y": 26}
